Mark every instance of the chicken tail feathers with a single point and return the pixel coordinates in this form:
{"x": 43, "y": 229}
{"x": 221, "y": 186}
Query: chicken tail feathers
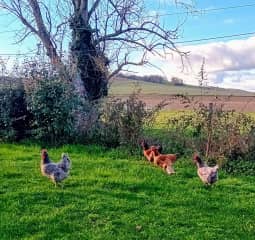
{"x": 65, "y": 163}
{"x": 216, "y": 167}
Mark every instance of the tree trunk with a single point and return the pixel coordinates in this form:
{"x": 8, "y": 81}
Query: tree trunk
{"x": 90, "y": 71}
{"x": 91, "y": 65}
{"x": 43, "y": 34}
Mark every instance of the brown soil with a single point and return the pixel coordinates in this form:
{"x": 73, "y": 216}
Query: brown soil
{"x": 238, "y": 103}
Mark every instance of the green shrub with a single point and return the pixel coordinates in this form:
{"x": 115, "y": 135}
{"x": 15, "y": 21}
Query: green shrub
{"x": 52, "y": 102}
{"x": 87, "y": 123}
{"x": 240, "y": 165}
{"x": 14, "y": 117}
{"x": 221, "y": 136}
{"x": 122, "y": 122}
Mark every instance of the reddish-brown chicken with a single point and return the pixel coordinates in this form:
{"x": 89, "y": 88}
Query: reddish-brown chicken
{"x": 147, "y": 150}
{"x": 165, "y": 161}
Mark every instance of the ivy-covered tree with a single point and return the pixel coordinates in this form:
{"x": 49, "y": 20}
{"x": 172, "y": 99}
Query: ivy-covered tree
{"x": 104, "y": 35}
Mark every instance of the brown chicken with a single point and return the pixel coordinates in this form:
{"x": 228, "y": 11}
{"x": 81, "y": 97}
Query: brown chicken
{"x": 147, "y": 150}
{"x": 208, "y": 175}
{"x": 165, "y": 161}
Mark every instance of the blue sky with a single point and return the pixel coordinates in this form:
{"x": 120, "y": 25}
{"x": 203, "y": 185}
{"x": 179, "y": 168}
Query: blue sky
{"x": 211, "y": 23}
{"x": 229, "y": 62}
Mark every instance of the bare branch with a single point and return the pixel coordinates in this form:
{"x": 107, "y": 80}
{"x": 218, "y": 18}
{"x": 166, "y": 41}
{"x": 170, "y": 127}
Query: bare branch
{"x": 93, "y": 8}
{"x": 111, "y": 30}
{"x": 25, "y": 35}
{"x": 126, "y": 63}
{"x": 15, "y": 9}
{"x": 43, "y": 33}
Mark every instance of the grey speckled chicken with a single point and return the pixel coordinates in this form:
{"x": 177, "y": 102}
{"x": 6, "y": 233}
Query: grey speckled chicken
{"x": 57, "y": 172}
{"x": 208, "y": 175}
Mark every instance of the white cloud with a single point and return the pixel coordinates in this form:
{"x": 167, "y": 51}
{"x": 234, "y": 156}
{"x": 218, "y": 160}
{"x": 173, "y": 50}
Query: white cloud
{"x": 177, "y": 2}
{"x": 156, "y": 13}
{"x": 229, "y": 64}
{"x": 229, "y": 21}
{"x": 233, "y": 55}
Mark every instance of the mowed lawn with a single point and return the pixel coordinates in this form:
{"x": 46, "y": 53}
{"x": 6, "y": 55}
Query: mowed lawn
{"x": 111, "y": 195}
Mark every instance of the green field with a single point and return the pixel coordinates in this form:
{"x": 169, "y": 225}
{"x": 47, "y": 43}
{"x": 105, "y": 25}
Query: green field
{"x": 111, "y": 195}
{"x": 123, "y": 86}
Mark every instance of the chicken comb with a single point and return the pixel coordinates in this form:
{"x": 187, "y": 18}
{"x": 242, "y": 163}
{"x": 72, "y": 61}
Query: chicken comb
{"x": 144, "y": 144}
{"x": 44, "y": 151}
{"x": 154, "y": 149}
{"x": 160, "y": 148}
{"x": 197, "y": 158}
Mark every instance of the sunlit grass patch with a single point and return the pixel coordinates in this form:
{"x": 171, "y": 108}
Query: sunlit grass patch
{"x": 112, "y": 195}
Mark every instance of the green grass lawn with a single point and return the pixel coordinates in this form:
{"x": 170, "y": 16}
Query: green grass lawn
{"x": 111, "y": 195}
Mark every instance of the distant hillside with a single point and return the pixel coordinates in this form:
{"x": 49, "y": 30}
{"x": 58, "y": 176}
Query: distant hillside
{"x": 123, "y": 86}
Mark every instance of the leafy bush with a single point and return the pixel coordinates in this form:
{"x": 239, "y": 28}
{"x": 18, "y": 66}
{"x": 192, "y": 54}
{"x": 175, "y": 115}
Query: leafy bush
{"x": 14, "y": 116}
{"x": 6, "y": 129}
{"x": 224, "y": 136}
{"x": 52, "y": 102}
{"x": 122, "y": 122}
{"x": 240, "y": 165}
{"x": 148, "y": 78}
{"x": 87, "y": 122}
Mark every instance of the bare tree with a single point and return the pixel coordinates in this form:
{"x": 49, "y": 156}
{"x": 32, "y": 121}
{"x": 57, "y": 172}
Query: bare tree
{"x": 105, "y": 35}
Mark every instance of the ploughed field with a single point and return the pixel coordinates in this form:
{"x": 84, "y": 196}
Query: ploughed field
{"x": 153, "y": 93}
